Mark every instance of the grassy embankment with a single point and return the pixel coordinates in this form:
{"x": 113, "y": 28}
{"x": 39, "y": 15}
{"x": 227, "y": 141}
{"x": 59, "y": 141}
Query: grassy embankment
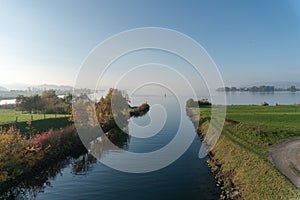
{"x": 241, "y": 153}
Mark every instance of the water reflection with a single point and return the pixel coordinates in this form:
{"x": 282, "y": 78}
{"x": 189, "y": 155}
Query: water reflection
{"x": 31, "y": 186}
{"x": 83, "y": 164}
{"x": 115, "y": 139}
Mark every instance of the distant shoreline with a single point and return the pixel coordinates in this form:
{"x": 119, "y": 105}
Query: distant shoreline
{"x": 270, "y": 92}
{"x": 261, "y": 88}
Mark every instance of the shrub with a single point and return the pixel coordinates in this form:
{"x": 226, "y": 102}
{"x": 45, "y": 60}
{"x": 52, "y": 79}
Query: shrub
{"x": 40, "y": 140}
{"x": 20, "y": 157}
{"x": 264, "y": 104}
{"x": 16, "y": 155}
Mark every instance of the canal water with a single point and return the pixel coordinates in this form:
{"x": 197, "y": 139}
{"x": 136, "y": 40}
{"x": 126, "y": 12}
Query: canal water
{"x": 188, "y": 177}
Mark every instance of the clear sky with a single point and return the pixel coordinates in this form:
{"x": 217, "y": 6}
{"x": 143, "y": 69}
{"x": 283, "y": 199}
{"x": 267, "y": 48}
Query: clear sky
{"x": 250, "y": 41}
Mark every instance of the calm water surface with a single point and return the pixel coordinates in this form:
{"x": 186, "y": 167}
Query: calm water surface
{"x": 247, "y": 98}
{"x": 7, "y": 101}
{"x": 187, "y": 178}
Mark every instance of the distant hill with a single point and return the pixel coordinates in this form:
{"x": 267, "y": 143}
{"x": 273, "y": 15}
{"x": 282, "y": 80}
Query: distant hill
{"x": 3, "y": 89}
{"x": 54, "y": 87}
{"x": 25, "y": 86}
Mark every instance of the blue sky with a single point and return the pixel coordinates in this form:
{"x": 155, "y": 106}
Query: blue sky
{"x": 250, "y": 41}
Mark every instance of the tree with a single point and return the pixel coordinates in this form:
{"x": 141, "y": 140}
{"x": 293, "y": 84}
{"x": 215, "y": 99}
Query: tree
{"x": 293, "y": 88}
{"x": 68, "y": 101}
{"x": 191, "y": 103}
{"x": 113, "y": 108}
{"x": 49, "y": 94}
{"x": 19, "y": 100}
{"x": 37, "y": 103}
{"x": 47, "y": 103}
{"x": 51, "y": 101}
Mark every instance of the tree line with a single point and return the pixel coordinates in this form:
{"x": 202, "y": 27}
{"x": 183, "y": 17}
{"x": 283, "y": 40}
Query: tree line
{"x": 47, "y": 103}
{"x": 262, "y": 88}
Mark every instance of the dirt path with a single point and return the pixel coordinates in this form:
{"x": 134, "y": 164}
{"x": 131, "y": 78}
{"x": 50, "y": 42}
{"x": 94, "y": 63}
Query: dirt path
{"x": 286, "y": 157}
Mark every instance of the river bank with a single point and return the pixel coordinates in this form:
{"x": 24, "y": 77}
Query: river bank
{"x": 21, "y": 158}
{"x": 223, "y": 180}
{"x": 28, "y": 152}
{"x": 239, "y": 160}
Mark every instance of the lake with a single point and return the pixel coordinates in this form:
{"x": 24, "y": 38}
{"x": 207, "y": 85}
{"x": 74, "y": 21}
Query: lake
{"x": 247, "y": 98}
{"x": 7, "y": 101}
{"x": 188, "y": 177}
{"x": 235, "y": 98}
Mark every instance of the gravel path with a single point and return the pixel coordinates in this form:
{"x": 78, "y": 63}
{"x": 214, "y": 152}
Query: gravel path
{"x": 286, "y": 157}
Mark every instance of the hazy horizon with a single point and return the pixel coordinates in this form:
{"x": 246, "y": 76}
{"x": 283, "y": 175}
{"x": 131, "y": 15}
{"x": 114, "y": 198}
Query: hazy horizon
{"x": 24, "y": 86}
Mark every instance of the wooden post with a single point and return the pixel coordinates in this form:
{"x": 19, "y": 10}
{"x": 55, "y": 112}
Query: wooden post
{"x": 31, "y": 118}
{"x": 44, "y": 116}
{"x": 16, "y": 118}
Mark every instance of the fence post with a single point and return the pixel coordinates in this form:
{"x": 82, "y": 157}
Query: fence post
{"x": 16, "y": 119}
{"x": 44, "y": 116}
{"x": 31, "y": 118}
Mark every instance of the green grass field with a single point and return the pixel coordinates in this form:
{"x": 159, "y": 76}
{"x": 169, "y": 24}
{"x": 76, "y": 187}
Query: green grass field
{"x": 9, "y": 116}
{"x": 283, "y": 116}
{"x": 263, "y": 124}
{"x": 277, "y": 117}
{"x": 243, "y": 148}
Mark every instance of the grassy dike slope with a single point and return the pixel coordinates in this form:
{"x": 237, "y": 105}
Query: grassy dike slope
{"x": 240, "y": 161}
